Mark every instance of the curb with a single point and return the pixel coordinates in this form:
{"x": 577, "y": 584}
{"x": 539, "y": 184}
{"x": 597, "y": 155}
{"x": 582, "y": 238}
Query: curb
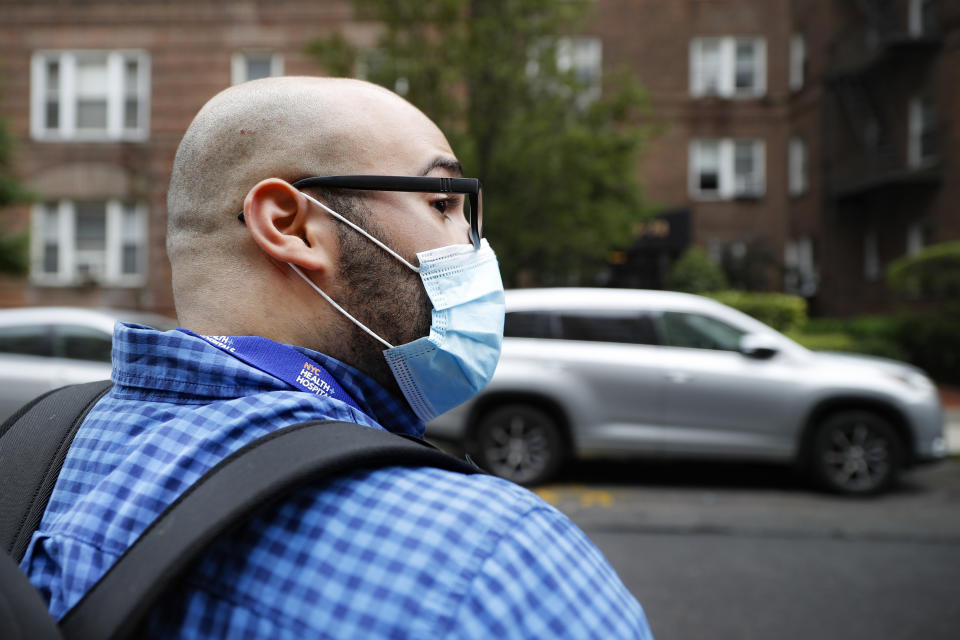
{"x": 951, "y": 429}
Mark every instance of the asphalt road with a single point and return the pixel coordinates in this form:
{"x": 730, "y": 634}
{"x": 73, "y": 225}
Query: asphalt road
{"x": 742, "y": 552}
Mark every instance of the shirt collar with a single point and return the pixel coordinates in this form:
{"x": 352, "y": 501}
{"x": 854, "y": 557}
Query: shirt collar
{"x": 393, "y": 413}
{"x": 173, "y": 364}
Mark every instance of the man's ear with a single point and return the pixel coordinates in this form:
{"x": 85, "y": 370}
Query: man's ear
{"x": 277, "y": 215}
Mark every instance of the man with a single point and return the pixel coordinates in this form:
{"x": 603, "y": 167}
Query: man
{"x": 325, "y": 278}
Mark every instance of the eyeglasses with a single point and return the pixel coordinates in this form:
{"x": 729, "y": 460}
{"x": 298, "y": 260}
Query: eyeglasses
{"x": 419, "y": 184}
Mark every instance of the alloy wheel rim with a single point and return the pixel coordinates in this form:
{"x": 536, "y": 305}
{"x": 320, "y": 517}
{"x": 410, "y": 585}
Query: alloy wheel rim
{"x": 517, "y": 447}
{"x": 856, "y": 457}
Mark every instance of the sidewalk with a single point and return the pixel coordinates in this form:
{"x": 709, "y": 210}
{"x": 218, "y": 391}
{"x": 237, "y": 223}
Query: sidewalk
{"x": 951, "y": 410}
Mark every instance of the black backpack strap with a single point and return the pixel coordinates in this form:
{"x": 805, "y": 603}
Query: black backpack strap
{"x": 33, "y": 445}
{"x": 23, "y": 613}
{"x": 261, "y": 472}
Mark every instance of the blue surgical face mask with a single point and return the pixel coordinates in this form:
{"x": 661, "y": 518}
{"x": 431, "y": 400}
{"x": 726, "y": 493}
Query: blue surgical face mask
{"x": 457, "y": 359}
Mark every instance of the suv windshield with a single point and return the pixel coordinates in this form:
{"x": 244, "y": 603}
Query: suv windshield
{"x": 696, "y": 331}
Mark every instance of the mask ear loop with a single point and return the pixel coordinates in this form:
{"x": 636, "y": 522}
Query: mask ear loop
{"x": 362, "y": 232}
{"x": 310, "y": 282}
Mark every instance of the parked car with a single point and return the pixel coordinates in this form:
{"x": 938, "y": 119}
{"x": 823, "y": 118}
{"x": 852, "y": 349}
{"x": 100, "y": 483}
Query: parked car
{"x": 42, "y": 348}
{"x": 615, "y": 372}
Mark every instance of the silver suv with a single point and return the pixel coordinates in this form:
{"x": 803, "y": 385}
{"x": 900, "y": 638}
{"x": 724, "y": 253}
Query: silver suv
{"x": 42, "y": 348}
{"x": 614, "y": 372}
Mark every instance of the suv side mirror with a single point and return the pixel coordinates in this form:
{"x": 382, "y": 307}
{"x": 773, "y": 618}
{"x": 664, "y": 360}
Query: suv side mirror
{"x": 758, "y": 347}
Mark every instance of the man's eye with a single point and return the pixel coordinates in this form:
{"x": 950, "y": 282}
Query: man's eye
{"x": 446, "y": 205}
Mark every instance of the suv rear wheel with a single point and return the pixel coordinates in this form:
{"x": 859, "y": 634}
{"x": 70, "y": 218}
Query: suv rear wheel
{"x": 857, "y": 453}
{"x": 519, "y": 442}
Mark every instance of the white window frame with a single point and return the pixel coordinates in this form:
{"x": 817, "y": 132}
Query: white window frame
{"x": 917, "y": 127}
{"x": 67, "y": 273}
{"x": 724, "y": 85}
{"x": 797, "y": 182}
{"x": 915, "y": 18}
{"x": 238, "y": 65}
{"x": 798, "y": 61}
{"x": 801, "y": 276}
{"x": 67, "y": 95}
{"x": 583, "y": 55}
{"x": 729, "y": 185}
{"x": 916, "y": 238}
{"x": 697, "y": 162}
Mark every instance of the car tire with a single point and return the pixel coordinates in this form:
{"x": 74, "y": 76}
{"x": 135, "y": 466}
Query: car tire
{"x": 519, "y": 442}
{"x": 856, "y": 453}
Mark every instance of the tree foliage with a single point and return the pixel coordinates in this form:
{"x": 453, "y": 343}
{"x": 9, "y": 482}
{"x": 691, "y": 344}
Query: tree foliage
{"x": 694, "y": 272}
{"x": 13, "y": 246}
{"x": 781, "y": 311}
{"x": 557, "y": 163}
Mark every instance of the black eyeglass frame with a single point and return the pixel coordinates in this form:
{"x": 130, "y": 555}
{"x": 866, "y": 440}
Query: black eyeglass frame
{"x": 417, "y": 184}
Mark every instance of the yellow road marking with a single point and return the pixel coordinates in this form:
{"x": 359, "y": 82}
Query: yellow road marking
{"x": 590, "y": 497}
{"x": 586, "y": 497}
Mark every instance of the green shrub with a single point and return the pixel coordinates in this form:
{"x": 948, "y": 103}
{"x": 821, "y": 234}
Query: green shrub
{"x": 869, "y": 335}
{"x": 780, "y": 311}
{"x": 834, "y": 341}
{"x": 931, "y": 341}
{"x": 932, "y": 274}
{"x": 693, "y": 272}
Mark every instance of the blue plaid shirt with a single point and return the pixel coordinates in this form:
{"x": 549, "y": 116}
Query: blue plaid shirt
{"x": 392, "y": 553}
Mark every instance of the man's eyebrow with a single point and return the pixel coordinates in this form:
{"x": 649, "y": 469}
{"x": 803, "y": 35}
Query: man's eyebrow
{"x": 444, "y": 163}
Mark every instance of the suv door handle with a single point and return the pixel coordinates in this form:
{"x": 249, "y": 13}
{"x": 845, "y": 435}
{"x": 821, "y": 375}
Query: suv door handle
{"x": 678, "y": 377}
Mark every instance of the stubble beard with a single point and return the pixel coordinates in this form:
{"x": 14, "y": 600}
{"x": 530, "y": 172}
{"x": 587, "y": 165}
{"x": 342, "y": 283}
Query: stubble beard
{"x": 383, "y": 294}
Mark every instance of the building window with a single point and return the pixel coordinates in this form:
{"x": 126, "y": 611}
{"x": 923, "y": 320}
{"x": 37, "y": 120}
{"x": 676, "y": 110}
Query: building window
{"x": 728, "y": 67}
{"x": 922, "y": 18}
{"x": 747, "y": 168}
{"x": 725, "y": 169}
{"x": 705, "y": 169}
{"x": 580, "y": 56}
{"x": 102, "y": 242}
{"x": 800, "y": 275}
{"x": 798, "y": 62}
{"x": 90, "y": 95}
{"x": 797, "y": 166}
{"x": 921, "y": 145}
{"x": 583, "y": 56}
{"x": 916, "y": 238}
{"x": 252, "y": 65}
{"x": 871, "y": 256}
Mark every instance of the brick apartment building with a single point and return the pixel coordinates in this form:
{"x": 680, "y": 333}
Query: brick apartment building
{"x": 804, "y": 143}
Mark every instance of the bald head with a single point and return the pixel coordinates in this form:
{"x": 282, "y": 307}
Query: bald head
{"x": 286, "y": 128}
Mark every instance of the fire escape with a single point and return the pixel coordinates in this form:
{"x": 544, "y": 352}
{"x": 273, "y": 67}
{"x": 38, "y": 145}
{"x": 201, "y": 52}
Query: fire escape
{"x": 870, "y": 154}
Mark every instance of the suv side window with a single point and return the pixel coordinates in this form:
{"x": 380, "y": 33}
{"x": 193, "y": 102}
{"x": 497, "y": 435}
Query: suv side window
{"x": 27, "y": 340}
{"x": 528, "y": 324}
{"x": 82, "y": 343}
{"x": 607, "y": 326}
{"x": 696, "y": 331}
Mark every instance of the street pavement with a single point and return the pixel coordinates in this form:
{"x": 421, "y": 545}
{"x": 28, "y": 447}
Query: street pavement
{"x": 749, "y": 551}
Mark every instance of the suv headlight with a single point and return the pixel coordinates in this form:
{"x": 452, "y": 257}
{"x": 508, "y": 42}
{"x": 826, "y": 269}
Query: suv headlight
{"x": 914, "y": 380}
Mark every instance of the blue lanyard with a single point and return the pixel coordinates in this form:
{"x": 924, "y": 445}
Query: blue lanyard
{"x": 282, "y": 362}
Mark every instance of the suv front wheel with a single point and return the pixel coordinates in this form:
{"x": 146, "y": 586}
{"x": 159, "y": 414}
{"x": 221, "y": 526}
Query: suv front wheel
{"x": 519, "y": 442}
{"x": 857, "y": 453}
